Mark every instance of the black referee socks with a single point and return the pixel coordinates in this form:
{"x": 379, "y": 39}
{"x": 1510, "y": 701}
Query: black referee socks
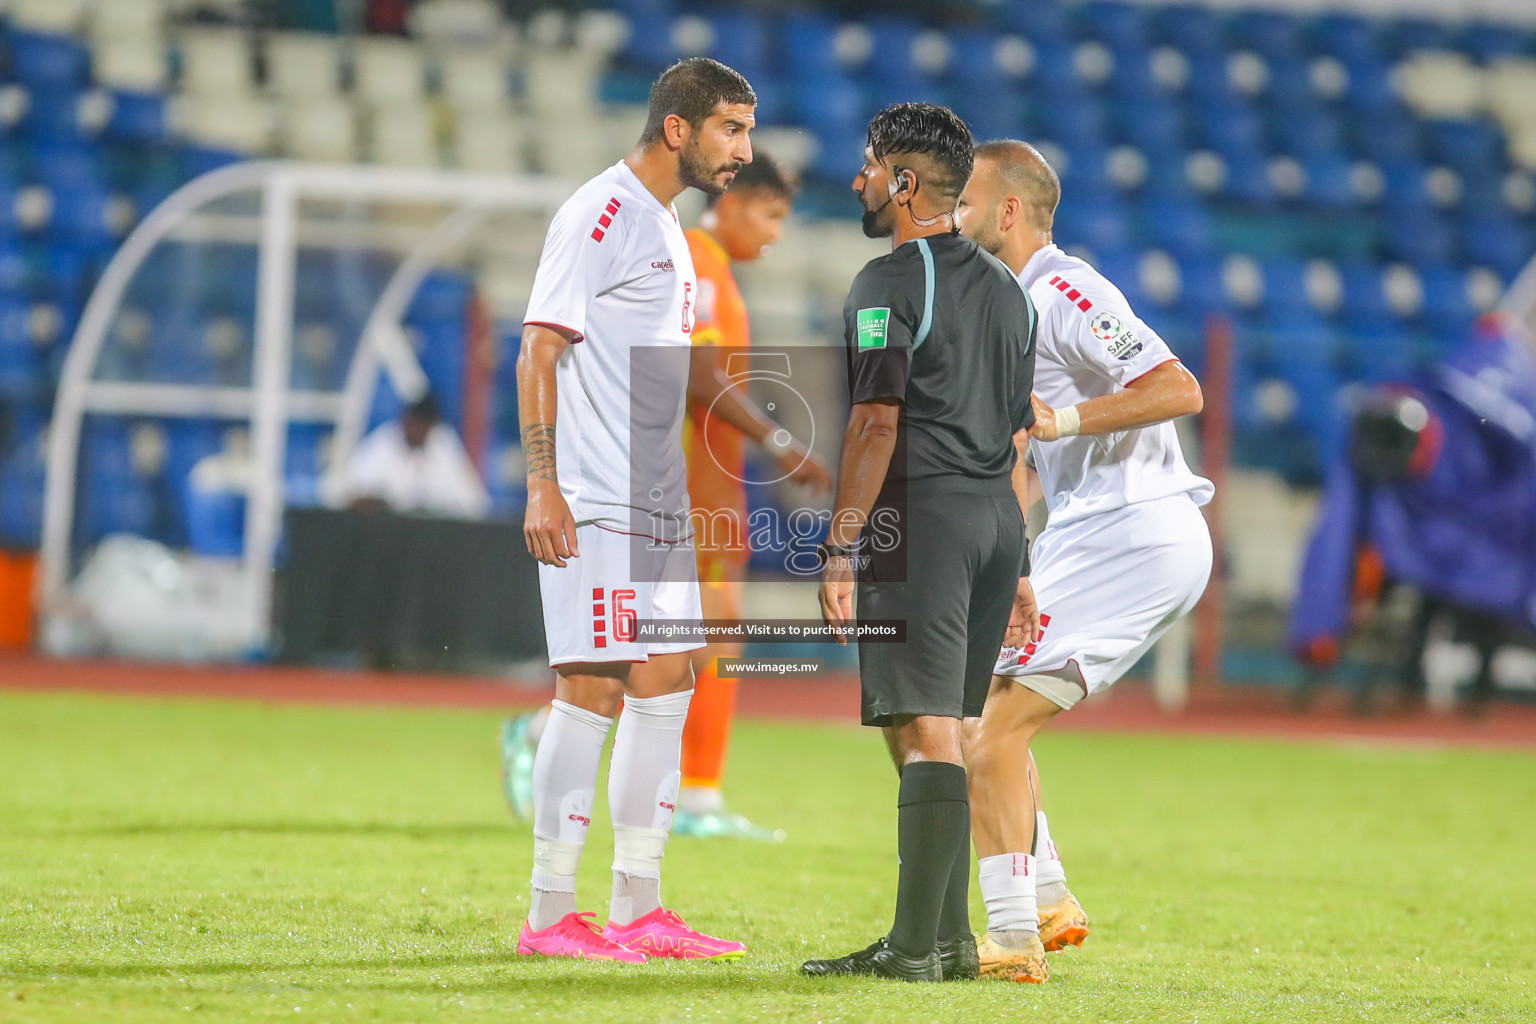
{"x": 933, "y": 832}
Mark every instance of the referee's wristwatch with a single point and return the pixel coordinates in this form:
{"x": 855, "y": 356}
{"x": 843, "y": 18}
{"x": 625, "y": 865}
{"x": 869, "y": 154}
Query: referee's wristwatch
{"x": 826, "y": 552}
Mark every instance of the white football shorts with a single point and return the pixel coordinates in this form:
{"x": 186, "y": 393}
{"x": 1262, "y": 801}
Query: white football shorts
{"x": 1108, "y": 587}
{"x": 592, "y": 605}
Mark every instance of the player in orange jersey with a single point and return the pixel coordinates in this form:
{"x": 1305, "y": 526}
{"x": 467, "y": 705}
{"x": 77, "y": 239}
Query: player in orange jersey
{"x": 739, "y": 226}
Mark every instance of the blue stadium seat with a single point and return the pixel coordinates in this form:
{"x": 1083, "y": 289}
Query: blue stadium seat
{"x": 1248, "y": 180}
{"x": 1149, "y": 121}
{"x": 1201, "y": 290}
{"x": 1386, "y": 135}
{"x": 1475, "y": 149}
{"x": 1113, "y": 22}
{"x": 1299, "y": 340}
{"x": 1418, "y": 236}
{"x": 1132, "y": 76}
{"x": 1328, "y": 180}
{"x": 202, "y": 159}
{"x": 1447, "y": 310}
{"x": 741, "y": 41}
{"x": 1123, "y": 269}
{"x": 1409, "y": 34}
{"x": 64, "y": 166}
{"x": 649, "y": 45}
{"x": 1370, "y": 84}
{"x": 23, "y": 470}
{"x": 48, "y": 63}
{"x": 1306, "y": 130}
{"x": 1101, "y": 226}
{"x": 810, "y": 45}
{"x": 1086, "y": 170}
{"x": 1285, "y": 288}
{"x": 995, "y": 112}
{"x": 53, "y": 116}
{"x": 139, "y": 118}
{"x": 1499, "y": 242}
{"x": 1179, "y": 223}
{"x": 1231, "y": 128}
{"x": 1407, "y": 186}
{"x": 1485, "y": 41}
{"x": 1208, "y": 82}
{"x": 1079, "y": 118}
{"x": 1349, "y": 37}
{"x": 1364, "y": 301}
{"x": 1196, "y": 30}
{"x": 1270, "y": 33}
{"x": 1380, "y": 352}
{"x": 84, "y": 217}
{"x": 1040, "y": 21}
{"x": 1290, "y": 81}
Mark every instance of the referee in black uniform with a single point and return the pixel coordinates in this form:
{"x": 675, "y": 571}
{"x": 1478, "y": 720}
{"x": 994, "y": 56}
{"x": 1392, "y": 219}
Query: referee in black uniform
{"x": 941, "y": 360}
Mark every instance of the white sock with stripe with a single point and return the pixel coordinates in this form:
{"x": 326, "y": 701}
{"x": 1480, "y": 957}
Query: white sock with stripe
{"x": 1008, "y": 888}
{"x": 1051, "y": 879}
{"x": 564, "y": 785}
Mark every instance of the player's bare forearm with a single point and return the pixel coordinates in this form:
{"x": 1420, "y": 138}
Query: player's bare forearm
{"x": 709, "y": 387}
{"x": 548, "y": 528}
{"x": 536, "y": 398}
{"x": 1021, "y": 473}
{"x": 1163, "y": 393}
{"x": 868, "y": 445}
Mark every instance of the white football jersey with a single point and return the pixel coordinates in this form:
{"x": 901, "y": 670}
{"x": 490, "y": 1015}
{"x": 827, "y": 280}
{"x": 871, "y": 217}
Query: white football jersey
{"x": 1089, "y": 343}
{"x": 615, "y": 271}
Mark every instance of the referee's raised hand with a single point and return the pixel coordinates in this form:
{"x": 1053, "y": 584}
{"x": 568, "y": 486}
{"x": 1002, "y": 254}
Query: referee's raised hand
{"x": 549, "y": 529}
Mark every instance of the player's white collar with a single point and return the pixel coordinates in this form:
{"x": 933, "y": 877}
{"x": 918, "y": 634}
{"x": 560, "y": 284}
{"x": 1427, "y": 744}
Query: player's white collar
{"x": 1037, "y": 264}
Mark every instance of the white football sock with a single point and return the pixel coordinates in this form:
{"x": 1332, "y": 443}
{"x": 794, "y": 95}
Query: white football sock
{"x": 1051, "y": 877}
{"x": 643, "y": 780}
{"x": 1008, "y": 888}
{"x": 564, "y": 785}
{"x": 701, "y": 800}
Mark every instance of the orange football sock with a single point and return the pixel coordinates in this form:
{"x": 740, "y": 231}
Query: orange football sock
{"x": 708, "y": 730}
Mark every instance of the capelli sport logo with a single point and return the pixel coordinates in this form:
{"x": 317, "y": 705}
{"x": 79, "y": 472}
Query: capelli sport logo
{"x": 665, "y": 266}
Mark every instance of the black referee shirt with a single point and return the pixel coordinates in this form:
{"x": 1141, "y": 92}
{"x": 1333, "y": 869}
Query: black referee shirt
{"x": 945, "y": 328}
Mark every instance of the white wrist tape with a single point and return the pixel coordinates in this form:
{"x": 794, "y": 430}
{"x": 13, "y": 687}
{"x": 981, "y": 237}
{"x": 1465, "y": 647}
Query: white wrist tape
{"x": 1068, "y": 422}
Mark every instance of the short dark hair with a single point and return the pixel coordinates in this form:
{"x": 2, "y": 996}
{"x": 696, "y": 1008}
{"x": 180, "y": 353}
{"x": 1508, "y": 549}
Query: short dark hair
{"x": 692, "y": 89}
{"x": 925, "y": 129}
{"x": 763, "y": 174}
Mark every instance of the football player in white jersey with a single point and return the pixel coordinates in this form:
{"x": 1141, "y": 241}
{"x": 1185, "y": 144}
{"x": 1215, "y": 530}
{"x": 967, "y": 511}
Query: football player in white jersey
{"x": 602, "y": 380}
{"x": 1125, "y": 551}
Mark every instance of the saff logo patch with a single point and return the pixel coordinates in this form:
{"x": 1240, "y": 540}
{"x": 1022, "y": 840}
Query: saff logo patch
{"x": 1105, "y": 326}
{"x": 873, "y": 327}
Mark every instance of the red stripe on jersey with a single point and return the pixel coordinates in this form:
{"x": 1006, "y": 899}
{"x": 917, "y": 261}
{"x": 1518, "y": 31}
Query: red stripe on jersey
{"x": 597, "y": 626}
{"x": 597, "y": 593}
{"x": 605, "y": 220}
{"x": 613, "y": 206}
{"x": 599, "y": 642}
{"x": 597, "y": 234}
{"x": 1074, "y": 294}
{"x": 1045, "y": 620}
{"x": 1085, "y": 305}
{"x": 1056, "y": 279}
{"x": 1062, "y": 286}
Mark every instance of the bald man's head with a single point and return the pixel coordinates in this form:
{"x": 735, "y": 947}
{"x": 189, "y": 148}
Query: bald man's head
{"x": 1008, "y": 167}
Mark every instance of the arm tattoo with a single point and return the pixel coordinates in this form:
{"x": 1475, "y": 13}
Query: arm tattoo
{"x": 539, "y": 451}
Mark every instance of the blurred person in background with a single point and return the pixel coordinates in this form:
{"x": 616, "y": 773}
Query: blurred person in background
{"x": 415, "y": 465}
{"x": 1124, "y": 554}
{"x": 739, "y": 226}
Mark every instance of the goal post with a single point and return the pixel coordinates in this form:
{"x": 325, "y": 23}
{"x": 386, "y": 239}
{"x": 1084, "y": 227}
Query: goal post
{"x": 398, "y": 225}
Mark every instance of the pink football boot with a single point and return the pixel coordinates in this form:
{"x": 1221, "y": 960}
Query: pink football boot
{"x": 663, "y": 933}
{"x": 575, "y": 936}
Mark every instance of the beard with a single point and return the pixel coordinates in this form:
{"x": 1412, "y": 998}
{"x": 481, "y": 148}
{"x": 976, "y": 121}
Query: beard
{"x": 694, "y": 171}
{"x": 876, "y": 224}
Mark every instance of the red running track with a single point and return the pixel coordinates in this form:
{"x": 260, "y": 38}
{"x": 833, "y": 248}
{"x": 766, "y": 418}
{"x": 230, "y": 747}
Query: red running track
{"x": 1247, "y": 711}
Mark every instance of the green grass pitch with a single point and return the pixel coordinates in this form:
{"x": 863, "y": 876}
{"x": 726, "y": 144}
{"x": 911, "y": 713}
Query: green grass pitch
{"x": 183, "y": 860}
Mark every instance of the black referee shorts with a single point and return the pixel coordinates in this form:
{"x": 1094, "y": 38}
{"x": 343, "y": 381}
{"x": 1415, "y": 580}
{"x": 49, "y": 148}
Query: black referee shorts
{"x": 962, "y": 555}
